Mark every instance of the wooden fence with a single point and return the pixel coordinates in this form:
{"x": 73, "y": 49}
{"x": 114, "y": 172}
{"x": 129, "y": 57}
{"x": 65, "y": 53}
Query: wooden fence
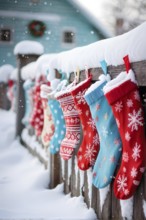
{"x": 79, "y": 182}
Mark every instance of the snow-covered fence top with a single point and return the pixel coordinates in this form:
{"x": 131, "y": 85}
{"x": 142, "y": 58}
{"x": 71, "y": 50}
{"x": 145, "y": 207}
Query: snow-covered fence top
{"x": 42, "y": 64}
{"x": 29, "y": 71}
{"x": 111, "y": 50}
{"x": 27, "y": 47}
{"x": 5, "y": 72}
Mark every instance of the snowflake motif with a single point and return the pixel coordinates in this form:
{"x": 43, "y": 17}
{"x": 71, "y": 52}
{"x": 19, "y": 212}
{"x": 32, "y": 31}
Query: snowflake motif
{"x": 121, "y": 183}
{"x": 87, "y": 113}
{"x": 90, "y": 154}
{"x": 124, "y": 169}
{"x": 127, "y": 136}
{"x": 137, "y": 96}
{"x": 118, "y": 106}
{"x": 134, "y": 172}
{"x": 104, "y": 132}
{"x": 136, "y": 152}
{"x": 82, "y": 165}
{"x": 80, "y": 97}
{"x": 91, "y": 123}
{"x": 80, "y": 157}
{"x": 118, "y": 122}
{"x": 125, "y": 157}
{"x": 135, "y": 119}
{"x": 96, "y": 139}
{"x": 126, "y": 192}
{"x": 129, "y": 103}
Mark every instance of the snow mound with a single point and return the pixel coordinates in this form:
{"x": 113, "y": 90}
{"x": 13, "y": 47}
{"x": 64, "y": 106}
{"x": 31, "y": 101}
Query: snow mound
{"x": 28, "y": 47}
{"x": 29, "y": 71}
{"x": 5, "y": 72}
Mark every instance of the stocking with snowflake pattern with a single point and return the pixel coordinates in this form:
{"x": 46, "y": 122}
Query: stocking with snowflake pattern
{"x": 48, "y": 127}
{"x": 123, "y": 96}
{"x": 110, "y": 142}
{"x": 89, "y": 147}
{"x": 73, "y": 130}
{"x": 59, "y": 124}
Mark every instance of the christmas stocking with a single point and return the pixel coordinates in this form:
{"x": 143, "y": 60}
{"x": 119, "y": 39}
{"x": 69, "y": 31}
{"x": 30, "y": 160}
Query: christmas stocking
{"x": 110, "y": 143}
{"x": 28, "y": 107}
{"x": 122, "y": 94}
{"x": 90, "y": 143}
{"x": 72, "y": 121}
{"x": 48, "y": 128}
{"x": 59, "y": 123}
{"x": 37, "y": 118}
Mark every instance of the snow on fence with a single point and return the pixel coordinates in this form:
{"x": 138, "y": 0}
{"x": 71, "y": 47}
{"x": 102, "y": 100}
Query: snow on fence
{"x": 79, "y": 182}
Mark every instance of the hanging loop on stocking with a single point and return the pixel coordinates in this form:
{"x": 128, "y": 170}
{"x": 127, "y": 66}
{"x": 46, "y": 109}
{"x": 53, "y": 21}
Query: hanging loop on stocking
{"x": 104, "y": 66}
{"x": 127, "y": 63}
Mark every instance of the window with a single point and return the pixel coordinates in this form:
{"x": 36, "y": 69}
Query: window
{"x": 5, "y": 35}
{"x": 68, "y": 37}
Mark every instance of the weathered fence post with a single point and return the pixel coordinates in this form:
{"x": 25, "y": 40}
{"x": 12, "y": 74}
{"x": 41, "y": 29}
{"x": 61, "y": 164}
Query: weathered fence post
{"x": 26, "y": 52}
{"x": 4, "y": 102}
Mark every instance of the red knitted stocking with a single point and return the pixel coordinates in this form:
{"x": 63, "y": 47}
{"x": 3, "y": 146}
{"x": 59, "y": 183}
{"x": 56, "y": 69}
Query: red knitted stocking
{"x": 72, "y": 122}
{"x": 122, "y": 94}
{"x": 90, "y": 144}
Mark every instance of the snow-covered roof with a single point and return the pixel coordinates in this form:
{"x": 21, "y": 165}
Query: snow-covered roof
{"x": 5, "y": 72}
{"x": 111, "y": 50}
{"x": 28, "y": 47}
{"x": 29, "y": 71}
{"x": 91, "y": 18}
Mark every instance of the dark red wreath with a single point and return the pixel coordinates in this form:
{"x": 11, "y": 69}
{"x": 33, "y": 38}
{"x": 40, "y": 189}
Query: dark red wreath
{"x": 36, "y": 28}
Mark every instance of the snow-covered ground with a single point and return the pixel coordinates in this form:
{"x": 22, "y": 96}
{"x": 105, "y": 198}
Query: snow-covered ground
{"x": 24, "y": 182}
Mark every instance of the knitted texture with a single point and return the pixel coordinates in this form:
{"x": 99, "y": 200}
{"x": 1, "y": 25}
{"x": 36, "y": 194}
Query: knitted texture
{"x": 59, "y": 124}
{"x": 110, "y": 142}
{"x": 48, "y": 127}
{"x": 89, "y": 147}
{"x": 37, "y": 117}
{"x": 27, "y": 86}
{"x": 72, "y": 122}
{"x": 128, "y": 112}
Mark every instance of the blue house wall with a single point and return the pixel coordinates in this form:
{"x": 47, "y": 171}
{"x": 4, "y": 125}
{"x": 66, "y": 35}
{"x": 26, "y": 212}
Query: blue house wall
{"x": 58, "y": 15}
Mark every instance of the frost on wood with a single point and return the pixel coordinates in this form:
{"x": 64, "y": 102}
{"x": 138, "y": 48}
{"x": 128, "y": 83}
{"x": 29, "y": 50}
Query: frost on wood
{"x": 5, "y": 72}
{"x": 28, "y": 47}
{"x": 127, "y": 208}
{"x": 103, "y": 194}
{"x": 111, "y": 50}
